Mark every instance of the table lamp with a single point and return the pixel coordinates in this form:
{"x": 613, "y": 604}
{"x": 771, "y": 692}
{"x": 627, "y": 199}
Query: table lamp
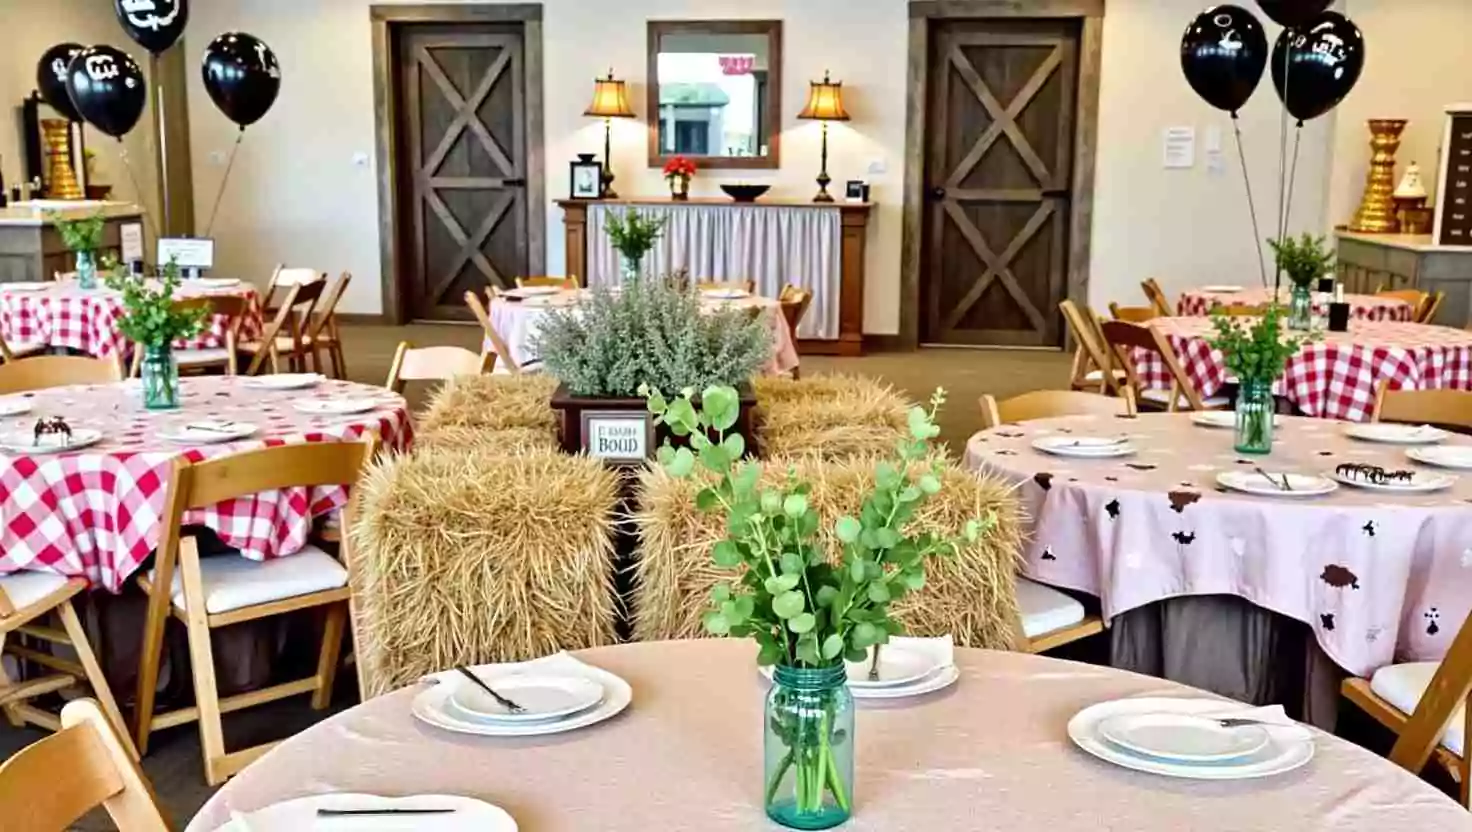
{"x": 825, "y": 104}
{"x": 610, "y": 101}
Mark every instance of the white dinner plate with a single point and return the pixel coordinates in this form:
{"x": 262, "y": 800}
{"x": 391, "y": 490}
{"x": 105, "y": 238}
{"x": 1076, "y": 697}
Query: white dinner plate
{"x": 1421, "y": 482}
{"x": 725, "y": 294}
{"x": 432, "y": 705}
{"x": 897, "y": 666}
{"x": 1183, "y": 737}
{"x": 1222, "y": 289}
{"x": 285, "y": 381}
{"x": 1300, "y": 485}
{"x": 1221, "y": 419}
{"x": 533, "y": 292}
{"x": 334, "y": 407}
{"x": 213, "y": 282}
{"x": 1085, "y": 447}
{"x": 1393, "y": 434}
{"x": 14, "y": 407}
{"x": 542, "y": 696}
{"x": 209, "y": 432}
{"x": 26, "y": 442}
{"x": 300, "y": 814}
{"x": 1284, "y": 752}
{"x": 939, "y": 679}
{"x": 1443, "y": 456}
{"x": 23, "y": 287}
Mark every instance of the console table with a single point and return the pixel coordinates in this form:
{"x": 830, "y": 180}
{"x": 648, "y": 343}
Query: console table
{"x": 820, "y": 247}
{"x": 31, "y": 250}
{"x": 1409, "y": 261}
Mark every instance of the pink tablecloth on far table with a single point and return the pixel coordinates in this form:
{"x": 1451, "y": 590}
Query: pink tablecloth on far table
{"x": 1337, "y": 377}
{"x": 1198, "y": 302}
{"x": 990, "y": 753}
{"x": 94, "y": 513}
{"x": 1376, "y": 576}
{"x": 65, "y": 315}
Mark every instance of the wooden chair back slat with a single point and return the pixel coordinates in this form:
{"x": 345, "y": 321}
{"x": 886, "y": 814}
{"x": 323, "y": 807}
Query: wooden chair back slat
{"x": 42, "y": 372}
{"x": 1450, "y": 688}
{"x": 301, "y": 299}
{"x": 558, "y": 282}
{"x": 268, "y": 469}
{"x": 499, "y": 347}
{"x": 1158, "y": 301}
{"x": 435, "y": 364}
{"x": 1241, "y": 310}
{"x": 1435, "y": 407}
{"x": 326, "y": 309}
{"x": 1090, "y": 353}
{"x": 1431, "y": 307}
{"x": 795, "y": 302}
{"x": 1133, "y": 314}
{"x": 1122, "y": 336}
{"x": 748, "y": 286}
{"x": 1048, "y": 404}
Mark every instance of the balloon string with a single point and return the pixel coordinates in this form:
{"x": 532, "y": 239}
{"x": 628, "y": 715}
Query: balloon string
{"x": 1292, "y": 175}
{"x": 219, "y": 197}
{"x": 1282, "y": 168}
{"x": 1251, "y": 203}
{"x": 148, "y": 223}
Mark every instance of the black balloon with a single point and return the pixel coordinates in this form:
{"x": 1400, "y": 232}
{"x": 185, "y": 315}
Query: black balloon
{"x": 1223, "y": 54}
{"x": 242, "y": 77}
{"x": 108, "y": 89}
{"x": 1320, "y": 63}
{"x": 154, "y": 24}
{"x": 1293, "y": 13}
{"x": 51, "y": 78}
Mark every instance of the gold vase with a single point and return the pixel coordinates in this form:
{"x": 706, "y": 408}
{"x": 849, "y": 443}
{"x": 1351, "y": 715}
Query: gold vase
{"x": 1377, "y": 209}
{"x": 60, "y": 177}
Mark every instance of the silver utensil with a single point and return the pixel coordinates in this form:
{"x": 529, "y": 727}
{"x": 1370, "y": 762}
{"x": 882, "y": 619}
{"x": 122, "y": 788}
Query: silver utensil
{"x": 1241, "y": 722}
{"x": 1285, "y": 485}
{"x": 355, "y": 813}
{"x": 501, "y": 700}
{"x": 874, "y": 665}
{"x": 223, "y": 429}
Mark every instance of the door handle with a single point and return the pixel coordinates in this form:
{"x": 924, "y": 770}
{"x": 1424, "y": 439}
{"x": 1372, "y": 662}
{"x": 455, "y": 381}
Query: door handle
{"x": 513, "y": 183}
{"x": 938, "y": 193}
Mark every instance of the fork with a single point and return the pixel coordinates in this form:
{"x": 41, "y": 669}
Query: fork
{"x": 1285, "y": 485}
{"x": 501, "y": 700}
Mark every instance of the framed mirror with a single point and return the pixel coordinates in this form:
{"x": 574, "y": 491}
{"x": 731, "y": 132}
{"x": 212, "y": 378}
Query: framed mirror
{"x": 715, "y": 92}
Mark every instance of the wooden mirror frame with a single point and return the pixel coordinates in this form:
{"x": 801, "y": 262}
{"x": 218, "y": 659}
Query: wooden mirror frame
{"x": 773, "y": 116}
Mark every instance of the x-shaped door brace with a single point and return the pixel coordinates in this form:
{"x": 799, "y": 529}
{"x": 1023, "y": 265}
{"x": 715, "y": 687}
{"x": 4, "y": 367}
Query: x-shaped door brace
{"x": 1004, "y": 121}
{"x": 998, "y": 267}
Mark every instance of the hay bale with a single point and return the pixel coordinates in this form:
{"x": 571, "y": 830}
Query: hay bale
{"x": 830, "y": 417}
{"x": 493, "y": 402}
{"x": 971, "y": 596}
{"x": 469, "y": 557}
{"x": 505, "y": 440}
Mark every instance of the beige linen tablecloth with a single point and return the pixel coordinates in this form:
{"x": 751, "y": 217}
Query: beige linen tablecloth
{"x": 990, "y": 753}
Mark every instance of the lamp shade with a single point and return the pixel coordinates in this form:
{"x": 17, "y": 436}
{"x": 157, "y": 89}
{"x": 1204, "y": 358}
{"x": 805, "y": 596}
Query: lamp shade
{"x": 610, "y": 99}
{"x": 825, "y": 101}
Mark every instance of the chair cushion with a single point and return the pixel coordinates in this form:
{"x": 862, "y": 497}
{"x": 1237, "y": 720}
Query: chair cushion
{"x": 26, "y": 588}
{"x": 190, "y": 358}
{"x": 232, "y": 582}
{"x": 1045, "y": 609}
{"x": 1162, "y": 397}
{"x": 1403, "y": 685}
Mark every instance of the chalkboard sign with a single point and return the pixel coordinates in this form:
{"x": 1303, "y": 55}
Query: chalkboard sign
{"x": 1454, "y": 184}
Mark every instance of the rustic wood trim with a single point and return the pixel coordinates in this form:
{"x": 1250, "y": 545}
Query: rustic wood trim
{"x": 168, "y": 76}
{"x": 773, "y": 30}
{"x": 383, "y": 19}
{"x": 1086, "y": 131}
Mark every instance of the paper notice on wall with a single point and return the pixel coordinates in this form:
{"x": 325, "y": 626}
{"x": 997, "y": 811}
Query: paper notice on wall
{"x": 132, "y": 242}
{"x": 1180, "y": 147}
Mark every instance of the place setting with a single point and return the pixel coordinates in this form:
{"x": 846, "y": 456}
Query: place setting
{"x": 1389, "y": 433}
{"x": 1085, "y": 447}
{"x": 375, "y": 813}
{"x": 46, "y": 436}
{"x": 337, "y": 406}
{"x": 284, "y": 381}
{"x": 208, "y": 432}
{"x": 551, "y": 695}
{"x": 1393, "y": 481}
{"x": 1287, "y": 484}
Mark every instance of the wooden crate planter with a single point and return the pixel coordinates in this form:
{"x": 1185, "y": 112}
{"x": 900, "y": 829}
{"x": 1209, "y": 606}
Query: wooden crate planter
{"x": 575, "y": 410}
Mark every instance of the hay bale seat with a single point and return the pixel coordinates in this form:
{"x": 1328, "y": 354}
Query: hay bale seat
{"x": 828, "y": 416}
{"x": 971, "y": 596}
{"x": 492, "y": 403}
{"x": 505, "y": 440}
{"x": 469, "y": 557}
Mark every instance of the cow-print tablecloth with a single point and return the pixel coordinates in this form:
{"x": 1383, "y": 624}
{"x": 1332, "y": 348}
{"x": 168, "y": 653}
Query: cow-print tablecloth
{"x": 1377, "y": 576}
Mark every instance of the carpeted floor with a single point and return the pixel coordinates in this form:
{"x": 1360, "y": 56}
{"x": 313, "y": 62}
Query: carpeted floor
{"x": 173, "y": 763}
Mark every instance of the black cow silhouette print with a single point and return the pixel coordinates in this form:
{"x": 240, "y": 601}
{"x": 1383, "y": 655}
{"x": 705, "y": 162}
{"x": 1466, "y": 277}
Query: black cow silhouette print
{"x": 1327, "y": 619}
{"x": 1245, "y": 462}
{"x": 1432, "y": 616}
{"x": 1135, "y": 466}
{"x": 1111, "y": 479}
{"x": 1006, "y": 453}
{"x": 1044, "y": 480}
{"x": 1124, "y": 416}
{"x": 1009, "y": 434}
{"x": 1113, "y": 508}
{"x": 1326, "y": 453}
{"x": 1065, "y": 430}
{"x": 1339, "y": 577}
{"x": 1369, "y": 528}
{"x": 1180, "y": 499}
{"x": 1073, "y": 479}
{"x": 1184, "y": 538}
{"x": 1048, "y": 553}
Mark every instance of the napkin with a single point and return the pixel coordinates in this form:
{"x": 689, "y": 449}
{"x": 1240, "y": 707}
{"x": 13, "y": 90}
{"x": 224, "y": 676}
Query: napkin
{"x": 1275, "y": 720}
{"x": 940, "y": 648}
{"x": 562, "y": 662}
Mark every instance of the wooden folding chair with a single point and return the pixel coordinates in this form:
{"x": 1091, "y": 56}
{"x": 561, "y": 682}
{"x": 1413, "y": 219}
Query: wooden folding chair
{"x": 1432, "y": 306}
{"x": 558, "y": 282}
{"x": 1090, "y": 362}
{"x": 49, "y": 785}
{"x": 435, "y": 364}
{"x": 1426, "y": 705}
{"x": 1049, "y": 404}
{"x": 283, "y": 278}
{"x": 26, "y": 599}
{"x": 1122, "y": 337}
{"x": 747, "y": 286}
{"x": 493, "y": 344}
{"x": 42, "y": 372}
{"x": 1133, "y": 314}
{"x": 206, "y": 594}
{"x": 1241, "y": 310}
{"x": 1415, "y": 297}
{"x": 324, "y": 333}
{"x": 230, "y": 307}
{"x": 1158, "y": 301}
{"x": 11, "y": 352}
{"x": 1420, "y": 407}
{"x": 294, "y": 316}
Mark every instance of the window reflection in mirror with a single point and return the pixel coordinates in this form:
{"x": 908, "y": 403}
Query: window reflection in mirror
{"x": 715, "y": 92}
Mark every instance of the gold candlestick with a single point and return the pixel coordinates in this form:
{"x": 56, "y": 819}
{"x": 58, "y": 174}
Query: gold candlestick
{"x": 60, "y": 177}
{"x": 1376, "y": 214}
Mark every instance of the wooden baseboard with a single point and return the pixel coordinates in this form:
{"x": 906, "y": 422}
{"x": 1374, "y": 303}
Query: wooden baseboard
{"x": 362, "y": 319}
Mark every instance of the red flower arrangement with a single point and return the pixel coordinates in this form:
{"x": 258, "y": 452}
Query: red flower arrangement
{"x": 679, "y": 167}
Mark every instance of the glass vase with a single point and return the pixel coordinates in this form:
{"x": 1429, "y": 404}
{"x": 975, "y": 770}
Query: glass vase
{"x": 629, "y": 268}
{"x": 1255, "y": 410}
{"x": 1301, "y": 308}
{"x": 809, "y": 748}
{"x": 86, "y": 271}
{"x": 159, "y": 375}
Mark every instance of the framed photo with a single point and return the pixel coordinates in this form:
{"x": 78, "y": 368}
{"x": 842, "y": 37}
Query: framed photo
{"x": 587, "y": 180}
{"x": 618, "y": 437}
{"x": 857, "y": 190}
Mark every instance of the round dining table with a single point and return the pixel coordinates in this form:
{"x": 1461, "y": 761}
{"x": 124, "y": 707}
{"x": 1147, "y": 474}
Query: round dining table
{"x": 990, "y": 752}
{"x": 1200, "y": 301}
{"x": 1337, "y": 376}
{"x": 63, "y": 315}
{"x": 94, "y": 512}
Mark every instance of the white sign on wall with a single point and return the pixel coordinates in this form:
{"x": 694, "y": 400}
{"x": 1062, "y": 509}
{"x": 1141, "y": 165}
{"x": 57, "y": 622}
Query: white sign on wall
{"x": 1180, "y": 147}
{"x": 618, "y": 437}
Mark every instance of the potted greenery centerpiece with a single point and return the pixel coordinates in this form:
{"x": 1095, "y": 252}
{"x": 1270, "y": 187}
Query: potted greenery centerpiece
{"x": 153, "y": 323}
{"x": 810, "y": 610}
{"x": 1256, "y": 354}
{"x": 634, "y": 235}
{"x": 82, "y": 238}
{"x": 1305, "y": 260}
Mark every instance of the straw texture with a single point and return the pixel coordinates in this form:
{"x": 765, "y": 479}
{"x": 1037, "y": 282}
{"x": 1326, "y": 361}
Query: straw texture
{"x": 971, "y": 596}
{"x": 505, "y": 440}
{"x": 830, "y": 417}
{"x": 473, "y": 556}
{"x": 493, "y": 402}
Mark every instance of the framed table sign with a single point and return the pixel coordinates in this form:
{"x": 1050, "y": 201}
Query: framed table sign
{"x": 618, "y": 437}
{"x": 1454, "y": 181}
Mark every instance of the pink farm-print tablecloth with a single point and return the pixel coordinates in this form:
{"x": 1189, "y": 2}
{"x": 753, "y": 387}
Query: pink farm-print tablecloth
{"x": 94, "y": 513}
{"x": 1199, "y": 302}
{"x": 1337, "y": 377}
{"x": 1377, "y": 576}
{"x": 65, "y": 315}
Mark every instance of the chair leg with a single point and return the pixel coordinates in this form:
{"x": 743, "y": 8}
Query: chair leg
{"x": 339, "y": 361}
{"x": 330, "y": 656}
{"x": 100, "y": 689}
{"x": 12, "y": 715}
{"x": 151, "y": 655}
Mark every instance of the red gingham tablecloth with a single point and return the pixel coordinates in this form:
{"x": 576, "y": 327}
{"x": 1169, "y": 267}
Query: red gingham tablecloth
{"x": 94, "y": 513}
{"x": 65, "y": 315}
{"x": 1337, "y": 377}
{"x": 1199, "y": 302}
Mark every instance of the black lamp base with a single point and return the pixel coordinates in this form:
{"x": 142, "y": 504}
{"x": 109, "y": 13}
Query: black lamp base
{"x": 823, "y": 181}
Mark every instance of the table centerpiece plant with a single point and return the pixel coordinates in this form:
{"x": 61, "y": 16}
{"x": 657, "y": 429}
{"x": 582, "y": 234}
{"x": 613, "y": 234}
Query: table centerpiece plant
{"x": 633, "y": 235}
{"x": 153, "y": 322}
{"x": 678, "y": 171}
{"x": 82, "y": 237}
{"x": 1304, "y": 259}
{"x": 811, "y": 610}
{"x": 1256, "y": 353}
